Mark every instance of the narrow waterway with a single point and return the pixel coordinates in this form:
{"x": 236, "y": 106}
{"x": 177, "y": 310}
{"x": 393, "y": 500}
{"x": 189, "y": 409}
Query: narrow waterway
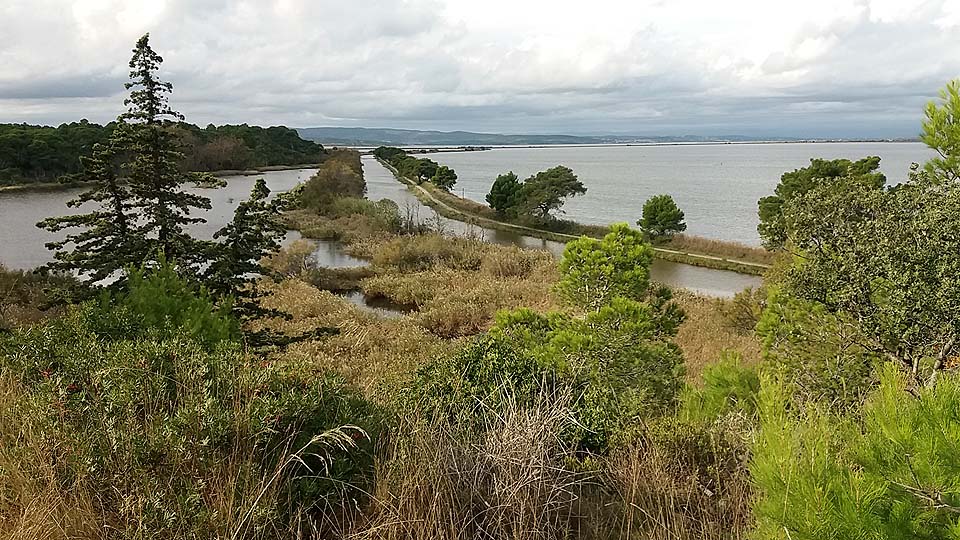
{"x": 381, "y": 184}
{"x": 22, "y": 244}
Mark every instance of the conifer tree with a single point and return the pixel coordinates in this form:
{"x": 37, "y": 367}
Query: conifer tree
{"x": 153, "y": 171}
{"x": 142, "y": 207}
{"x": 255, "y": 232}
{"x": 107, "y": 243}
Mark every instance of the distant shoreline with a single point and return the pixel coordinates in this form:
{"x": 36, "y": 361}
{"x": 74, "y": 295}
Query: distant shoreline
{"x": 55, "y": 186}
{"x": 366, "y": 149}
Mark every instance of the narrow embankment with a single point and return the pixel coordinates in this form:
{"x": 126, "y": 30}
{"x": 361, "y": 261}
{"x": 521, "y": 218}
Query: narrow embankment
{"x": 695, "y": 259}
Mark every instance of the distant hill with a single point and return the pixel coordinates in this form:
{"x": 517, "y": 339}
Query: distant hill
{"x": 341, "y": 136}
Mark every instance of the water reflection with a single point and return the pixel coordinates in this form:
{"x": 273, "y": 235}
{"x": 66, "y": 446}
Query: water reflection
{"x": 718, "y": 283}
{"x": 378, "y": 305}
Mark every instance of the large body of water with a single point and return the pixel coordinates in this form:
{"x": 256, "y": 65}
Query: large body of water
{"x": 381, "y": 184}
{"x": 22, "y": 244}
{"x": 716, "y": 185}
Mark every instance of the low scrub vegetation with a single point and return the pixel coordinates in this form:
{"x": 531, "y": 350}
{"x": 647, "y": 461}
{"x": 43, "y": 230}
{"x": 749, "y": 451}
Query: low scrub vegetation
{"x": 523, "y": 399}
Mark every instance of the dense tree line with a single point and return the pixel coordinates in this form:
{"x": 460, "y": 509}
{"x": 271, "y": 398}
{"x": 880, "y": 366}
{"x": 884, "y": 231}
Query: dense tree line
{"x": 30, "y": 153}
{"x": 536, "y": 197}
{"x": 419, "y": 169}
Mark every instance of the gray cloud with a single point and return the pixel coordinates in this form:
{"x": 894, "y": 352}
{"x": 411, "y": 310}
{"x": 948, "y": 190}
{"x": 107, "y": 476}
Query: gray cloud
{"x": 407, "y": 63}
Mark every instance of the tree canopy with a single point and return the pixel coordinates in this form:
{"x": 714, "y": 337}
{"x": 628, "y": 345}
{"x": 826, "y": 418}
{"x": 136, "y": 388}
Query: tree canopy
{"x": 30, "y": 153}
{"x": 444, "y": 178}
{"x": 504, "y": 193}
{"x": 417, "y": 169}
{"x": 594, "y": 271}
{"x": 537, "y": 196}
{"x": 142, "y": 213}
{"x": 661, "y": 217}
{"x": 881, "y": 261}
{"x": 546, "y": 191}
{"x": 795, "y": 183}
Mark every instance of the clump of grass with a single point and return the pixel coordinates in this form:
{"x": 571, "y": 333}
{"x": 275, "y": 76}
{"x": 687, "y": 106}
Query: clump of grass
{"x": 509, "y": 481}
{"x": 421, "y": 252}
{"x": 455, "y": 303}
{"x": 720, "y": 248}
{"x": 682, "y": 481}
{"x": 512, "y": 261}
{"x": 706, "y": 334}
{"x": 368, "y": 349}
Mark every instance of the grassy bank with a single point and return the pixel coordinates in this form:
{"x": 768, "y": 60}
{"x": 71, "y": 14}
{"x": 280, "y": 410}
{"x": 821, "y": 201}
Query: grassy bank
{"x": 338, "y": 435}
{"x": 684, "y": 249}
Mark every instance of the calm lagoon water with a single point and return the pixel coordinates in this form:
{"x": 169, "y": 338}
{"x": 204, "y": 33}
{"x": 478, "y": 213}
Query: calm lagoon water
{"x": 717, "y": 185}
{"x": 382, "y": 185}
{"x": 22, "y": 243}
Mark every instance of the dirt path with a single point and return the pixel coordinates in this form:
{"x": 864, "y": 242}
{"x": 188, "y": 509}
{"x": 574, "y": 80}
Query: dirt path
{"x": 481, "y": 220}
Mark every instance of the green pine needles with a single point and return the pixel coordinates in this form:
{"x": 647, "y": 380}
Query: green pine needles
{"x": 140, "y": 212}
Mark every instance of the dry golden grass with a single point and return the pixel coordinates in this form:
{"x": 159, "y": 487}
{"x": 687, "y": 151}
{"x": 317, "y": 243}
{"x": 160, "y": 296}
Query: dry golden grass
{"x": 718, "y": 248}
{"x": 516, "y": 480}
{"x": 437, "y": 481}
{"x": 706, "y": 333}
{"x": 458, "y": 284}
{"x": 368, "y": 350}
{"x": 690, "y": 484}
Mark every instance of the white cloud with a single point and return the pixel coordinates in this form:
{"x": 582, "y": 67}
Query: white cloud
{"x": 817, "y": 67}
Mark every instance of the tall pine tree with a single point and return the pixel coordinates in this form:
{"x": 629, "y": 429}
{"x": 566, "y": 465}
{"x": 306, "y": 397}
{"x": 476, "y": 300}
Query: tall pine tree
{"x": 142, "y": 209}
{"x": 110, "y": 239}
{"x": 255, "y": 232}
{"x": 153, "y": 170}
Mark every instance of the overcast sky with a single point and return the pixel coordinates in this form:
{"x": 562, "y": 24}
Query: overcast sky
{"x": 806, "y": 68}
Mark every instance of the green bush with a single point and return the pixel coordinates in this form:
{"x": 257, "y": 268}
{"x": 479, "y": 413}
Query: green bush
{"x": 817, "y": 353}
{"x": 161, "y": 304}
{"x": 146, "y": 407}
{"x": 727, "y": 387}
{"x": 893, "y": 473}
{"x": 612, "y": 365}
{"x": 594, "y": 271}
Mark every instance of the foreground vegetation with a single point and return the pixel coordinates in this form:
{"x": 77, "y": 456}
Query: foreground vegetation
{"x": 185, "y": 389}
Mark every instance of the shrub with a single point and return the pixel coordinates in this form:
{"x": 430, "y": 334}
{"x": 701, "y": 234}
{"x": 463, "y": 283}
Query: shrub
{"x": 27, "y": 297}
{"x": 893, "y": 474}
{"x": 727, "y": 387}
{"x": 816, "y": 352}
{"x": 613, "y": 361}
{"x": 160, "y": 303}
{"x": 594, "y": 271}
{"x": 743, "y": 312}
{"x": 661, "y": 217}
{"x": 149, "y": 421}
{"x": 337, "y": 178}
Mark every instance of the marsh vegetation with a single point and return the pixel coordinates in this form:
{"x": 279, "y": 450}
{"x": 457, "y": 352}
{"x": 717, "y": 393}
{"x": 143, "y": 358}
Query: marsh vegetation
{"x": 153, "y": 384}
